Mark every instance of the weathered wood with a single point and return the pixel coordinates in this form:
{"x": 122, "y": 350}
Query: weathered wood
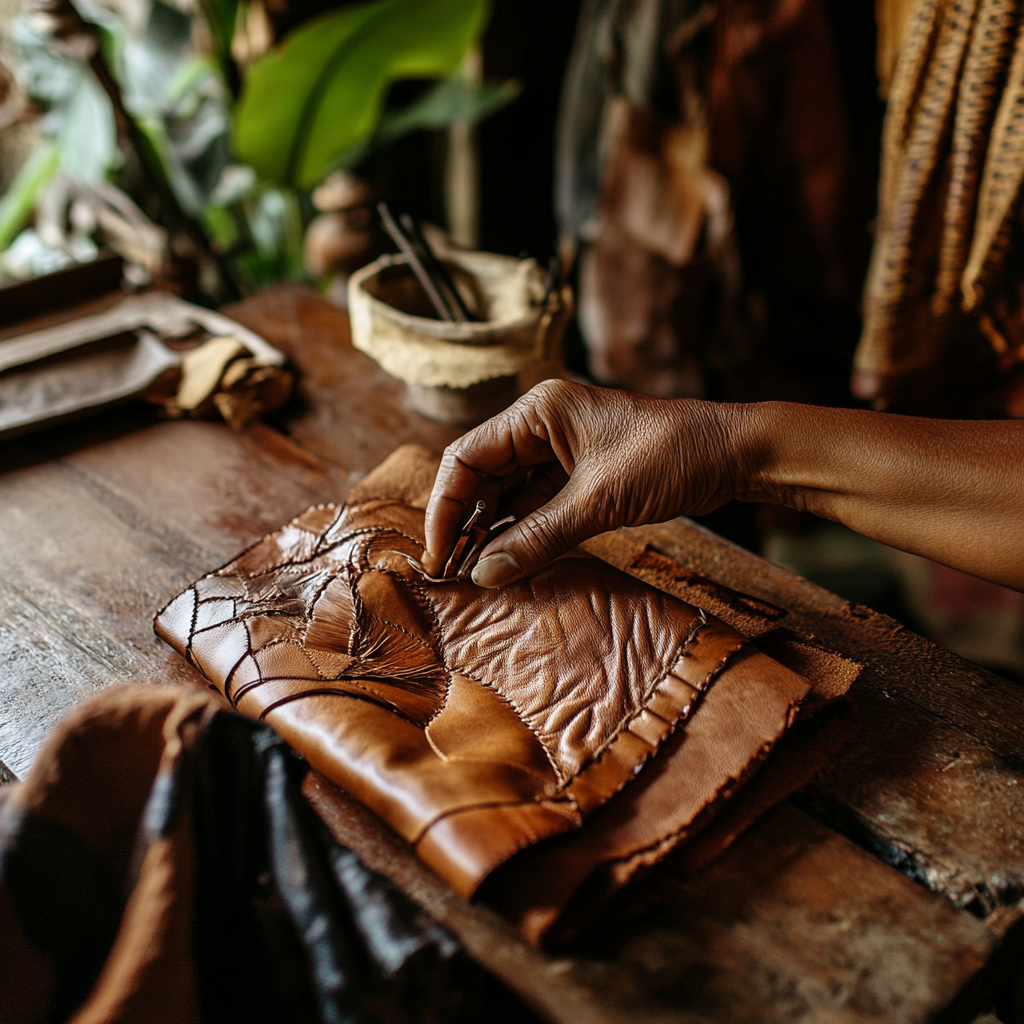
{"x": 95, "y": 540}
{"x": 793, "y": 923}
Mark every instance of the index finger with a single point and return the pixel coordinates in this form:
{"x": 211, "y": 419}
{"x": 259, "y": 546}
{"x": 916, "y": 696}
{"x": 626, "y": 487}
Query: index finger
{"x": 496, "y": 449}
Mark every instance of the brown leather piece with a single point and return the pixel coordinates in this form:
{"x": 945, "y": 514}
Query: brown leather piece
{"x": 741, "y": 718}
{"x": 479, "y": 723}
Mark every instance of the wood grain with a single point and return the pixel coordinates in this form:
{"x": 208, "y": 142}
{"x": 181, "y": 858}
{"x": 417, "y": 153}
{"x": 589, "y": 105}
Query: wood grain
{"x": 100, "y": 534}
{"x": 792, "y": 923}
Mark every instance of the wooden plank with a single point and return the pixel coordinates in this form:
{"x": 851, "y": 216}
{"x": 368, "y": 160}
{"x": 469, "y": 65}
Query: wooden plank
{"x": 935, "y": 785}
{"x": 102, "y": 526}
{"x": 793, "y": 923}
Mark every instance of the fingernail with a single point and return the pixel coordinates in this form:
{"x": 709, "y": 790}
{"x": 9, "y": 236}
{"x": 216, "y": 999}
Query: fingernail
{"x": 496, "y": 569}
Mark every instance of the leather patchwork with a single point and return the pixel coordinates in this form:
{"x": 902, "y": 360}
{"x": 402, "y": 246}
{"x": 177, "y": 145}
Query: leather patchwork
{"x": 475, "y": 722}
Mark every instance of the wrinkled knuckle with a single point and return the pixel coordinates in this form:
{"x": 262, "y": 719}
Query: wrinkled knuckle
{"x": 554, "y": 390}
{"x": 539, "y": 536}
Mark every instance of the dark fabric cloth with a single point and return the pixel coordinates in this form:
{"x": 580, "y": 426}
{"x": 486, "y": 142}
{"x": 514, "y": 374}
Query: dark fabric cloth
{"x": 160, "y": 864}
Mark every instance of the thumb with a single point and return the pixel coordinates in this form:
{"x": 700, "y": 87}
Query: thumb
{"x": 533, "y": 543}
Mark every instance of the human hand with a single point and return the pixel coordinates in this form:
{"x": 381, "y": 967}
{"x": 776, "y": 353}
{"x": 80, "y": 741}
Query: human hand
{"x": 577, "y": 461}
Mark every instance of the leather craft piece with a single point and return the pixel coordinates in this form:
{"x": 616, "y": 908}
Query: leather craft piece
{"x": 477, "y": 723}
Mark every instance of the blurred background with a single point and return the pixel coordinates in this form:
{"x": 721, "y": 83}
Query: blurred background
{"x": 705, "y": 171}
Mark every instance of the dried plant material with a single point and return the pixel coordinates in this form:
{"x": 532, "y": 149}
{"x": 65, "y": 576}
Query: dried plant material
{"x": 92, "y": 361}
{"x": 891, "y": 16}
{"x": 202, "y": 369}
{"x": 250, "y": 389}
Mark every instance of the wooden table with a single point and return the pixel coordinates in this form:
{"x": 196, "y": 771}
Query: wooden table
{"x": 888, "y": 890}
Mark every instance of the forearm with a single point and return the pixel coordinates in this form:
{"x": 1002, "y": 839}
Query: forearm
{"x": 949, "y": 490}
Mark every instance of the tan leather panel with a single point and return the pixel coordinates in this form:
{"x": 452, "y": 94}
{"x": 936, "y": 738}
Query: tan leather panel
{"x": 215, "y": 652}
{"x": 332, "y": 617}
{"x": 266, "y": 629}
{"x": 737, "y": 723}
{"x": 670, "y": 703}
{"x": 467, "y": 846}
{"x": 390, "y": 599}
{"x": 706, "y": 653}
{"x": 174, "y": 624}
{"x": 318, "y": 519}
{"x": 388, "y": 764}
{"x": 618, "y": 763}
{"x": 456, "y": 732}
{"x": 220, "y": 586}
{"x": 575, "y": 649}
{"x": 287, "y": 660}
{"x": 651, "y": 728}
{"x": 260, "y": 698}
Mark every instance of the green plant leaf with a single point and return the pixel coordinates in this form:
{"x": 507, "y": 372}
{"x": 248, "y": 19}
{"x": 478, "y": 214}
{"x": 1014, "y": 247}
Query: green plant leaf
{"x": 320, "y": 93}
{"x": 87, "y": 136}
{"x": 451, "y": 100}
{"x": 19, "y": 200}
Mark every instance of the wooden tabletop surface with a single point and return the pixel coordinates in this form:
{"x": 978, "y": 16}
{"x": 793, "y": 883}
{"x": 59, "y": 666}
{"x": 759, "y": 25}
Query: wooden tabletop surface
{"x": 888, "y": 890}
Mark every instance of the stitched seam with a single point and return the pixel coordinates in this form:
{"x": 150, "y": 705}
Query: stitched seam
{"x": 319, "y": 551}
{"x": 676, "y": 653}
{"x": 358, "y": 610}
{"x": 343, "y": 574}
{"x": 291, "y": 698}
{"x": 354, "y": 682}
{"x": 414, "y": 586}
{"x": 395, "y": 626}
{"x": 521, "y": 843}
{"x": 519, "y": 714}
{"x": 246, "y": 617}
{"x": 234, "y": 668}
{"x": 276, "y": 642}
{"x": 192, "y": 626}
{"x": 334, "y": 522}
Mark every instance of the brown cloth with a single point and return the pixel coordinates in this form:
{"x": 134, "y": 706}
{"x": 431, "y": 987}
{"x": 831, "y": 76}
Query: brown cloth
{"x": 478, "y": 723}
{"x": 943, "y": 302}
{"x": 160, "y": 865}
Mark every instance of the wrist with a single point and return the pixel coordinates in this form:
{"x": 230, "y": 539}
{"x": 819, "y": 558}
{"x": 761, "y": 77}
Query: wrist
{"x": 759, "y": 435}
{"x": 718, "y": 445}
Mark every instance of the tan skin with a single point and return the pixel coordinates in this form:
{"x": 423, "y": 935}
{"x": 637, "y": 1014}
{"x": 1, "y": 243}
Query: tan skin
{"x": 949, "y": 490}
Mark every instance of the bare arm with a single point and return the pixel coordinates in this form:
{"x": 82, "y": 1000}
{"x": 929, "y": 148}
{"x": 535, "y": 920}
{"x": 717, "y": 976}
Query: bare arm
{"x": 952, "y": 491}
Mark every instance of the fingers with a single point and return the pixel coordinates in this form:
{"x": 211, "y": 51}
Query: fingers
{"x": 456, "y": 485}
{"x": 535, "y": 541}
{"x": 497, "y": 448}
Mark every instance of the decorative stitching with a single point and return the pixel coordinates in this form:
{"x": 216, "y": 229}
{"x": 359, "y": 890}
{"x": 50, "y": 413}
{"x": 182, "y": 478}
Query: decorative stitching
{"x": 401, "y": 629}
{"x": 369, "y": 698}
{"x": 192, "y": 627}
